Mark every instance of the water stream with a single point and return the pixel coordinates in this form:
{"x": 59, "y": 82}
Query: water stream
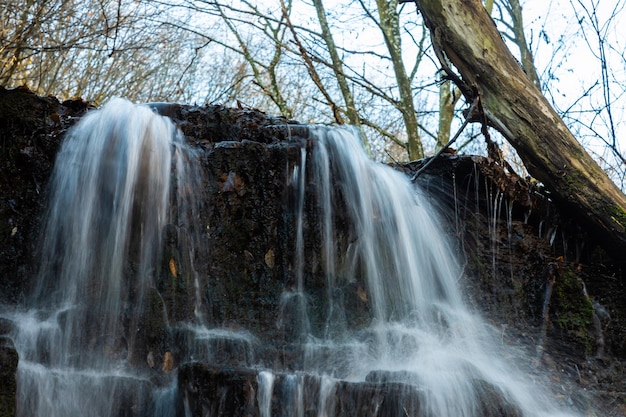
{"x": 109, "y": 205}
{"x": 422, "y": 332}
{"x": 110, "y": 210}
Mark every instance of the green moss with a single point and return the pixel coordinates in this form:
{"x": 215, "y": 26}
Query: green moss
{"x": 619, "y": 215}
{"x": 572, "y": 308}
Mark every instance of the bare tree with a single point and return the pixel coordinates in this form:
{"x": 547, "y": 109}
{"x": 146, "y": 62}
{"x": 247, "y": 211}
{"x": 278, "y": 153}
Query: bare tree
{"x": 389, "y": 24}
{"x": 337, "y": 64}
{"x": 364, "y": 62}
{"x": 508, "y": 13}
{"x": 304, "y": 48}
{"x": 94, "y": 49}
{"x": 595, "y": 32}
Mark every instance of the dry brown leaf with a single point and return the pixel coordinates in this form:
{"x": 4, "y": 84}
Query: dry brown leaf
{"x": 173, "y": 267}
{"x": 168, "y": 362}
{"x": 269, "y": 259}
{"x": 362, "y": 294}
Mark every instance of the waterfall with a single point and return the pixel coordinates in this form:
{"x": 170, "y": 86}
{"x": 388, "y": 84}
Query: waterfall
{"x": 117, "y": 278}
{"x": 102, "y": 239}
{"x": 422, "y": 334}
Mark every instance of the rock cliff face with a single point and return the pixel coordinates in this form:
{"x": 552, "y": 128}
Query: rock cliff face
{"x": 535, "y": 272}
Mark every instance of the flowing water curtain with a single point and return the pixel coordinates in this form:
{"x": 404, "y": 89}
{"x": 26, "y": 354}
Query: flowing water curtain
{"x": 100, "y": 249}
{"x": 421, "y": 334}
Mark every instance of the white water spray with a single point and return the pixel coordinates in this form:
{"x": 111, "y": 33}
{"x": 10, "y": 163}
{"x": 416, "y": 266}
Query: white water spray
{"x": 421, "y": 333}
{"x": 265, "y": 381}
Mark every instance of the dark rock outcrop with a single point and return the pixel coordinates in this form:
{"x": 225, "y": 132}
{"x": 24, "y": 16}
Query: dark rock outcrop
{"x": 8, "y": 373}
{"x": 31, "y": 128}
{"x": 519, "y": 249}
{"x": 233, "y": 392}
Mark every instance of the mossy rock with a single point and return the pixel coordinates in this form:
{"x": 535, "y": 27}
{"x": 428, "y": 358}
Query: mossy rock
{"x": 572, "y": 308}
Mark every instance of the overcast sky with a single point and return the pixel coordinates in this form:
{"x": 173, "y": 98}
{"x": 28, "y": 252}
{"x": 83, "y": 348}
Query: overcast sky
{"x": 566, "y": 43}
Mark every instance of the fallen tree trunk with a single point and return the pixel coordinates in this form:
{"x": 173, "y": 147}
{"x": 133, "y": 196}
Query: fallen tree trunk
{"x": 516, "y": 108}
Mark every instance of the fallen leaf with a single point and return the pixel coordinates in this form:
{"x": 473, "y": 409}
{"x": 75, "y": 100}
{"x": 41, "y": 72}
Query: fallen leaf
{"x": 269, "y": 259}
{"x": 173, "y": 267}
{"x": 168, "y": 362}
{"x": 362, "y": 294}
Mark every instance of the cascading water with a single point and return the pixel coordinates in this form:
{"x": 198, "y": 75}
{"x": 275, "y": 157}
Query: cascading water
{"x": 422, "y": 333}
{"x": 102, "y": 238}
{"x": 117, "y": 220}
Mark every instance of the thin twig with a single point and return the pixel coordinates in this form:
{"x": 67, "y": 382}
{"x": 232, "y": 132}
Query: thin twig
{"x": 456, "y": 136}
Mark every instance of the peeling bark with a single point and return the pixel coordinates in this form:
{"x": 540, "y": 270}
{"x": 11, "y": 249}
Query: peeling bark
{"x": 514, "y": 106}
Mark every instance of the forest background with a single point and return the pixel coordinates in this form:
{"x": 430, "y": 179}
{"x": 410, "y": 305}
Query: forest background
{"x": 369, "y": 63}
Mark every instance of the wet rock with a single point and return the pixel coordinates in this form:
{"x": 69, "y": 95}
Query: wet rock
{"x": 218, "y": 346}
{"x": 101, "y": 394}
{"x": 387, "y": 399}
{"x": 8, "y": 374}
{"x": 236, "y": 391}
{"x": 492, "y": 402}
{"x": 217, "y": 391}
{"x": 31, "y": 128}
{"x": 390, "y": 376}
{"x": 6, "y": 326}
{"x": 206, "y": 125}
{"x": 536, "y": 272}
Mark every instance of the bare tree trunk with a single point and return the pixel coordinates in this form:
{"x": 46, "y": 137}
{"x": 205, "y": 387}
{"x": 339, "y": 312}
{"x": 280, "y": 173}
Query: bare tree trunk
{"x": 528, "y": 62}
{"x": 514, "y": 105}
{"x": 447, "y": 100}
{"x": 351, "y": 111}
{"x": 390, "y": 26}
